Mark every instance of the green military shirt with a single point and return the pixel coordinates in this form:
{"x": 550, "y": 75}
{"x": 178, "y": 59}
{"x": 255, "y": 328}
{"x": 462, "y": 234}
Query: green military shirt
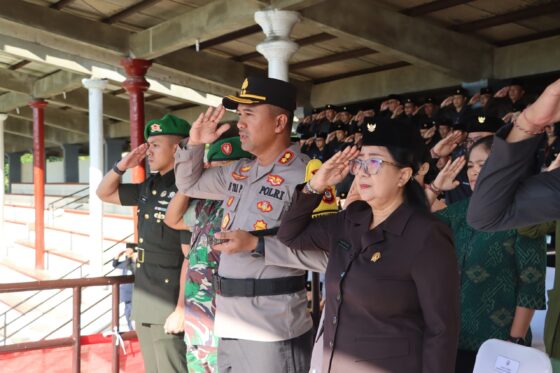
{"x": 156, "y": 287}
{"x": 499, "y": 271}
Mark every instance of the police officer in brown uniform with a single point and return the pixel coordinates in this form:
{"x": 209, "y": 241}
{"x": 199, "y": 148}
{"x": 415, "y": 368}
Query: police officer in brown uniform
{"x": 157, "y": 285}
{"x": 261, "y": 314}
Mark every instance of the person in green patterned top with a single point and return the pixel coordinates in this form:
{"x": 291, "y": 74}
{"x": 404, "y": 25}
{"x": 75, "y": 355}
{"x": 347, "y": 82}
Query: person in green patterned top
{"x": 203, "y": 218}
{"x": 502, "y": 273}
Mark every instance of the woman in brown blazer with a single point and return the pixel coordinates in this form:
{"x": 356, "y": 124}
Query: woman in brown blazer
{"x": 392, "y": 281}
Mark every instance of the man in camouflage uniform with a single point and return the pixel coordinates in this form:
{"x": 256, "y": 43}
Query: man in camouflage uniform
{"x": 204, "y": 218}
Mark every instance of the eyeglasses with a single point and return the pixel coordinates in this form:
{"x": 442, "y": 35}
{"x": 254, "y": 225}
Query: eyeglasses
{"x": 370, "y": 166}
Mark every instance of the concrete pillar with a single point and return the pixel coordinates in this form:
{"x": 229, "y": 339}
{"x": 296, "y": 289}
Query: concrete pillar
{"x": 3, "y": 253}
{"x": 71, "y": 162}
{"x": 113, "y": 152}
{"x": 38, "y": 106}
{"x": 136, "y": 84}
{"x": 277, "y": 48}
{"x": 14, "y": 175}
{"x": 96, "y": 158}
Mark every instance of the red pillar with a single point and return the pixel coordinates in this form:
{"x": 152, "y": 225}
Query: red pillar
{"x": 136, "y": 84}
{"x": 38, "y": 106}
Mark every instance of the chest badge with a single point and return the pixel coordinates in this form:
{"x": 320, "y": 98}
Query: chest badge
{"x": 275, "y": 180}
{"x": 163, "y": 194}
{"x": 225, "y": 221}
{"x": 245, "y": 168}
{"x": 260, "y": 225}
{"x": 238, "y": 177}
{"x": 264, "y": 206}
{"x": 376, "y": 256}
{"x": 229, "y": 201}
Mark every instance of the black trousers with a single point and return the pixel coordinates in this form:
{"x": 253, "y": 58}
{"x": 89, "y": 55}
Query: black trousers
{"x": 243, "y": 356}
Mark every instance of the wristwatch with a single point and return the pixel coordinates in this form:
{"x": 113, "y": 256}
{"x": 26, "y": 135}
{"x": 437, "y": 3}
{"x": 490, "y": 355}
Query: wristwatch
{"x": 117, "y": 170}
{"x": 517, "y": 340}
{"x": 259, "y": 250}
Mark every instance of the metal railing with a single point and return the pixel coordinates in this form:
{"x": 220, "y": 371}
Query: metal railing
{"x": 52, "y": 206}
{"x": 4, "y": 315}
{"x": 76, "y": 285}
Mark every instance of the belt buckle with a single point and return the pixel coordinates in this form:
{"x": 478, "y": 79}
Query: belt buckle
{"x": 140, "y": 252}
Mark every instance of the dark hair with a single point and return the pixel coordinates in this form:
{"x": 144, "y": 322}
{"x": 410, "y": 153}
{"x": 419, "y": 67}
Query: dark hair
{"x": 485, "y": 141}
{"x": 414, "y": 194}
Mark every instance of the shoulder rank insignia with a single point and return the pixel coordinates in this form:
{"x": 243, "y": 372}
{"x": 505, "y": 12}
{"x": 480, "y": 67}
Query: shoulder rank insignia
{"x": 275, "y": 180}
{"x": 238, "y": 177}
{"x": 260, "y": 225}
{"x": 264, "y": 206}
{"x": 226, "y": 148}
{"x": 245, "y": 168}
{"x": 287, "y": 157}
{"x": 225, "y": 221}
{"x": 230, "y": 200}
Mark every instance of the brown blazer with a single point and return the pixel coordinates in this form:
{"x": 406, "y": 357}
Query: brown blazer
{"x": 392, "y": 292}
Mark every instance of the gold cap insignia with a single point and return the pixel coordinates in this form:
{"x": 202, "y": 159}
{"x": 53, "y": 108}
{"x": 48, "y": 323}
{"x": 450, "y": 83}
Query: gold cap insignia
{"x": 245, "y": 84}
{"x": 376, "y": 256}
{"x": 371, "y": 127}
{"x": 481, "y": 120}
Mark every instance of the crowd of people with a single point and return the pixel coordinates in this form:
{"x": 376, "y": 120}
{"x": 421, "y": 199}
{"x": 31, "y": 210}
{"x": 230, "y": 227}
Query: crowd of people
{"x": 379, "y": 200}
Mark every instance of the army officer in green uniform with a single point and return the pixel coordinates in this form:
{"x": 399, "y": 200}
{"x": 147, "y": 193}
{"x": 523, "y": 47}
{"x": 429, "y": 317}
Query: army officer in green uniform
{"x": 157, "y": 283}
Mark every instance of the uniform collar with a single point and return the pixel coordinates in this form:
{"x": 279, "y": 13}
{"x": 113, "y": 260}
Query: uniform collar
{"x": 166, "y": 179}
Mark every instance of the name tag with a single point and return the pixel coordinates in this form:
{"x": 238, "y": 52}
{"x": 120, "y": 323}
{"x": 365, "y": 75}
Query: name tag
{"x": 505, "y": 365}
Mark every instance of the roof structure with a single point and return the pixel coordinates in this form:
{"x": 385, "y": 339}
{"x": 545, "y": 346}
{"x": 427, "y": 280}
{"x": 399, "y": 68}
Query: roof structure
{"x": 349, "y": 51}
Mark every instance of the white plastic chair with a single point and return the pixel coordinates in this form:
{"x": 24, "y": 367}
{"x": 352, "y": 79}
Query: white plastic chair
{"x": 504, "y": 357}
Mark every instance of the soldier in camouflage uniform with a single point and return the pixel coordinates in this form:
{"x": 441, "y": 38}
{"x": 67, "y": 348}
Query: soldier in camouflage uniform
{"x": 204, "y": 218}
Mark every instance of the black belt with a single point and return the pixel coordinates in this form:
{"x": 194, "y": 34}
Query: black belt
{"x": 251, "y": 287}
{"x": 160, "y": 258}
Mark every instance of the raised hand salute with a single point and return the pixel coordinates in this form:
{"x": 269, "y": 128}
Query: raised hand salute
{"x": 205, "y": 129}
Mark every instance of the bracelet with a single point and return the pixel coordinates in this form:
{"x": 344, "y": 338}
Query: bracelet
{"x": 523, "y": 129}
{"x": 117, "y": 170}
{"x": 310, "y": 189}
{"x": 434, "y": 190}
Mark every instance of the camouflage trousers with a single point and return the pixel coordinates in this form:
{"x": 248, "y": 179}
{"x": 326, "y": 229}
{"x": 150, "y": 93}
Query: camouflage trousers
{"x": 202, "y": 359}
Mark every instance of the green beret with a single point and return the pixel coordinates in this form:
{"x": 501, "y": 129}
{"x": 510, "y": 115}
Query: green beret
{"x": 227, "y": 150}
{"x": 168, "y": 125}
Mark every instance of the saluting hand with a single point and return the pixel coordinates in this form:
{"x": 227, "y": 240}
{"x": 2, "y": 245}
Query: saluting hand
{"x": 237, "y": 241}
{"x": 445, "y": 180}
{"x": 474, "y": 99}
{"x": 134, "y": 158}
{"x": 446, "y": 145}
{"x": 334, "y": 170}
{"x": 205, "y": 128}
{"x": 502, "y": 92}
